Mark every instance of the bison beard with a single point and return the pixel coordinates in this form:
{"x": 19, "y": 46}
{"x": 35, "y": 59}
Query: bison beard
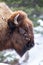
{"x": 18, "y": 33}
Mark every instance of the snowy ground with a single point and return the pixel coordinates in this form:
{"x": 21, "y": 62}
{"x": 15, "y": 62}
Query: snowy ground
{"x": 36, "y": 53}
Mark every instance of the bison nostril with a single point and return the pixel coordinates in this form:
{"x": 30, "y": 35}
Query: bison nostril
{"x": 29, "y": 45}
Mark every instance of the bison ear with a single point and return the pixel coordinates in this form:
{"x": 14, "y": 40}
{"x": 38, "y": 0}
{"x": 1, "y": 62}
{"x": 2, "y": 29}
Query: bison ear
{"x": 11, "y": 25}
{"x": 15, "y": 19}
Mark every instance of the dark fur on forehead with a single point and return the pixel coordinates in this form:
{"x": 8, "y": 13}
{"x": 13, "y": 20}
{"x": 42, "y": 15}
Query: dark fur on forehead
{"x": 11, "y": 25}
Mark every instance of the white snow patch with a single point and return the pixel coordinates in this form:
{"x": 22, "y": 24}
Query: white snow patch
{"x": 3, "y": 64}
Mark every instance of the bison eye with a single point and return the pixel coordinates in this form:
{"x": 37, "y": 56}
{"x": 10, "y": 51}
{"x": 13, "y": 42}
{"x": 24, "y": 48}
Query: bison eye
{"x": 21, "y": 31}
{"x": 11, "y": 25}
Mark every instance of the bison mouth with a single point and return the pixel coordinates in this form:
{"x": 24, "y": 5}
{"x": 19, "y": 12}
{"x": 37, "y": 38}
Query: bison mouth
{"x": 26, "y": 47}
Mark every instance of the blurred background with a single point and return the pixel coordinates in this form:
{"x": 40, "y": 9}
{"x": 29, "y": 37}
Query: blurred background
{"x": 34, "y": 9}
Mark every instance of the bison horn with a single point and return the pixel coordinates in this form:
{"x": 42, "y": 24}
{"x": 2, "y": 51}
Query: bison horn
{"x": 15, "y": 20}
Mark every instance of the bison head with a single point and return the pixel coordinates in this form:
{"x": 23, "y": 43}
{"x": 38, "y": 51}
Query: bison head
{"x": 22, "y": 37}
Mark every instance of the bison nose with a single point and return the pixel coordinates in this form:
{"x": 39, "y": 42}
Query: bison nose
{"x": 29, "y": 45}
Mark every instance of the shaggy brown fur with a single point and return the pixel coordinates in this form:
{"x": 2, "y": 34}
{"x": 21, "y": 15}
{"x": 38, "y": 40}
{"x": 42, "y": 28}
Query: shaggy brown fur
{"x": 5, "y": 11}
{"x": 23, "y": 38}
{"x": 19, "y": 37}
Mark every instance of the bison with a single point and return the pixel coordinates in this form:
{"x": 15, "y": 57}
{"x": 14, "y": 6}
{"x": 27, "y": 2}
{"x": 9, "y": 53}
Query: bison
{"x": 16, "y": 32}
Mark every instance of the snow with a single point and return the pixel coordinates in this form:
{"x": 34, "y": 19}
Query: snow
{"x": 39, "y": 29}
{"x": 40, "y": 22}
{"x": 36, "y": 55}
{"x": 3, "y": 64}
